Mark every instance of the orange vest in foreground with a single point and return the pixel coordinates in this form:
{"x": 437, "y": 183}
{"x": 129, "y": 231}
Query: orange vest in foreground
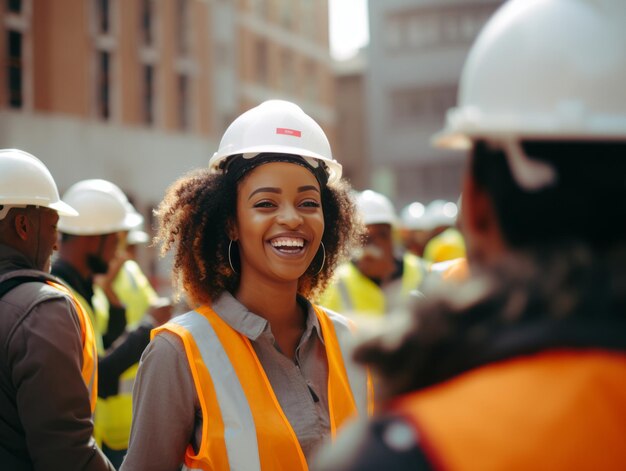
{"x": 558, "y": 410}
{"x": 90, "y": 352}
{"x": 244, "y": 426}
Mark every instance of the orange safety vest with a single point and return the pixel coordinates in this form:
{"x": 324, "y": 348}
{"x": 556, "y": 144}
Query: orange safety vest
{"x": 557, "y": 410}
{"x": 90, "y": 351}
{"x": 248, "y": 428}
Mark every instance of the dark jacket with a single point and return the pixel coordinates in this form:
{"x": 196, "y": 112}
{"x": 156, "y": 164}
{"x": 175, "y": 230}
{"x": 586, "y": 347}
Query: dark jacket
{"x": 45, "y": 415}
{"x": 123, "y": 348}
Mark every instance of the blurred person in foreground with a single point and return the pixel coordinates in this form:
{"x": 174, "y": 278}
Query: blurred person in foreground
{"x": 256, "y": 376}
{"x": 48, "y": 367}
{"x": 523, "y": 367}
{"x": 378, "y": 280}
{"x": 89, "y": 261}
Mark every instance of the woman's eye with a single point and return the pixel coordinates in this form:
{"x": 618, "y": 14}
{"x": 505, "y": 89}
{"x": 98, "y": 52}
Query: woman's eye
{"x": 311, "y": 204}
{"x": 264, "y": 204}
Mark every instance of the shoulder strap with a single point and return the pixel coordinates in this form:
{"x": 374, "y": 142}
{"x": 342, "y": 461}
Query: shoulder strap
{"x": 8, "y": 285}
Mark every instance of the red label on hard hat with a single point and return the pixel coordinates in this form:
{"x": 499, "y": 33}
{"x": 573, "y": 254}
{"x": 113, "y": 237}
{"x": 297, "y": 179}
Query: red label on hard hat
{"x": 289, "y": 132}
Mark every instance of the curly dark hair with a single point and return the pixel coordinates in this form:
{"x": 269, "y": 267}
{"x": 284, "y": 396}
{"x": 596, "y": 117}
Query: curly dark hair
{"x": 193, "y": 220}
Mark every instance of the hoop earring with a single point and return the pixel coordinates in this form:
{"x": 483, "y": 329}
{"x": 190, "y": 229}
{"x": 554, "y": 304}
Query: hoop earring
{"x": 323, "y": 259}
{"x": 230, "y": 260}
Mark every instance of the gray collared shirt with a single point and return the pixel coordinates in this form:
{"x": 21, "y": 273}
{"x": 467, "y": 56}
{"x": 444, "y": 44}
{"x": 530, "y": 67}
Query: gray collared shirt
{"x": 167, "y": 414}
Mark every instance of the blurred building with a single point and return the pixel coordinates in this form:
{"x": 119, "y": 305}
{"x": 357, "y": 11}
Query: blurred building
{"x": 351, "y": 147}
{"x": 139, "y": 91}
{"x": 416, "y": 54}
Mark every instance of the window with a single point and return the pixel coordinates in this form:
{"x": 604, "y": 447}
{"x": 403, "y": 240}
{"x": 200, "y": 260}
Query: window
{"x": 183, "y": 34}
{"x": 103, "y": 16}
{"x": 183, "y": 102}
{"x": 147, "y": 22}
{"x": 288, "y": 73}
{"x": 412, "y": 106}
{"x": 148, "y": 94}
{"x": 14, "y": 69}
{"x": 14, "y": 6}
{"x": 104, "y": 85}
{"x": 261, "y": 58}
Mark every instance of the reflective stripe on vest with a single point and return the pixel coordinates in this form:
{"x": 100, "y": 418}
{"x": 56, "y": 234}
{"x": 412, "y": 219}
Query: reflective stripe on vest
{"x": 556, "y": 410}
{"x": 90, "y": 351}
{"x": 238, "y": 401}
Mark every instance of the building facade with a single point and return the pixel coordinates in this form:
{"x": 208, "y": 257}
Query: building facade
{"x": 416, "y": 54}
{"x": 139, "y": 91}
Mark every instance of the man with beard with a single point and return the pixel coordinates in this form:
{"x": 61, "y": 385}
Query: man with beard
{"x": 48, "y": 368}
{"x": 89, "y": 247}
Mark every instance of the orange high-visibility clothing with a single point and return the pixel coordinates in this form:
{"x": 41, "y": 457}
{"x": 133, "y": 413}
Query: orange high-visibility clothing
{"x": 557, "y": 410}
{"x": 244, "y": 426}
{"x": 90, "y": 350}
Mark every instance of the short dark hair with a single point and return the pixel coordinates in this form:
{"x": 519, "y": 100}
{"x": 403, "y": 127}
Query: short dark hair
{"x": 194, "y": 217}
{"x": 587, "y": 204}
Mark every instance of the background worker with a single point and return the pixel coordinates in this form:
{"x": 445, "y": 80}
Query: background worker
{"x": 89, "y": 247}
{"x": 414, "y": 228}
{"x": 47, "y": 360}
{"x": 376, "y": 280}
{"x": 524, "y": 367}
{"x": 446, "y": 241}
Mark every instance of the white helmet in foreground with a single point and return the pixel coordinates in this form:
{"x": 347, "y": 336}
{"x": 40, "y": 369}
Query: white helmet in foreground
{"x": 277, "y": 126}
{"x": 25, "y": 180}
{"x": 543, "y": 70}
{"x": 103, "y": 207}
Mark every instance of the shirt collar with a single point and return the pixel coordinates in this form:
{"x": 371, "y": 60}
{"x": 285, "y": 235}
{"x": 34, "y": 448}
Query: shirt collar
{"x": 247, "y": 323}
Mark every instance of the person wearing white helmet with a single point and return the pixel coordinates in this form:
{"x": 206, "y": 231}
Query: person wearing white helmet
{"x": 414, "y": 228}
{"x": 49, "y": 373}
{"x": 89, "y": 249}
{"x": 256, "y": 377}
{"x": 376, "y": 281}
{"x": 524, "y": 366}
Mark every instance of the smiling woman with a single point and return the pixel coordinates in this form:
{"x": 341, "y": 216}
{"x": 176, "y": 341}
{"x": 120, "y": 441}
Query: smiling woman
{"x": 255, "y": 377}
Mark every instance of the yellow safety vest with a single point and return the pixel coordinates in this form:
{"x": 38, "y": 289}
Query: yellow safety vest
{"x": 353, "y": 293}
{"x": 248, "y": 428}
{"x": 89, "y": 368}
{"x": 115, "y": 412}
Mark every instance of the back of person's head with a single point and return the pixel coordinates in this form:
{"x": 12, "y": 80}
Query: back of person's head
{"x": 587, "y": 204}
{"x": 542, "y": 108}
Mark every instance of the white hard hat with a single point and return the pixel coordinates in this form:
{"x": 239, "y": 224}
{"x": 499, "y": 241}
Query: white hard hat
{"x": 441, "y": 213}
{"x": 375, "y": 208}
{"x": 543, "y": 70}
{"x": 414, "y": 217}
{"x": 137, "y": 236}
{"x": 103, "y": 207}
{"x": 276, "y": 126}
{"x": 25, "y": 180}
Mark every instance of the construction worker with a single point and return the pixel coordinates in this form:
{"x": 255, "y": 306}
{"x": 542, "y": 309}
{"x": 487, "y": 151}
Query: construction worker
{"x": 445, "y": 242}
{"x": 376, "y": 277}
{"x": 414, "y": 228}
{"x": 48, "y": 365}
{"x": 256, "y": 377}
{"x": 89, "y": 247}
{"x": 524, "y": 367}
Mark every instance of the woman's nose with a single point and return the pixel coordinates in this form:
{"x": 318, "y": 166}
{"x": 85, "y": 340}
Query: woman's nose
{"x": 289, "y": 216}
